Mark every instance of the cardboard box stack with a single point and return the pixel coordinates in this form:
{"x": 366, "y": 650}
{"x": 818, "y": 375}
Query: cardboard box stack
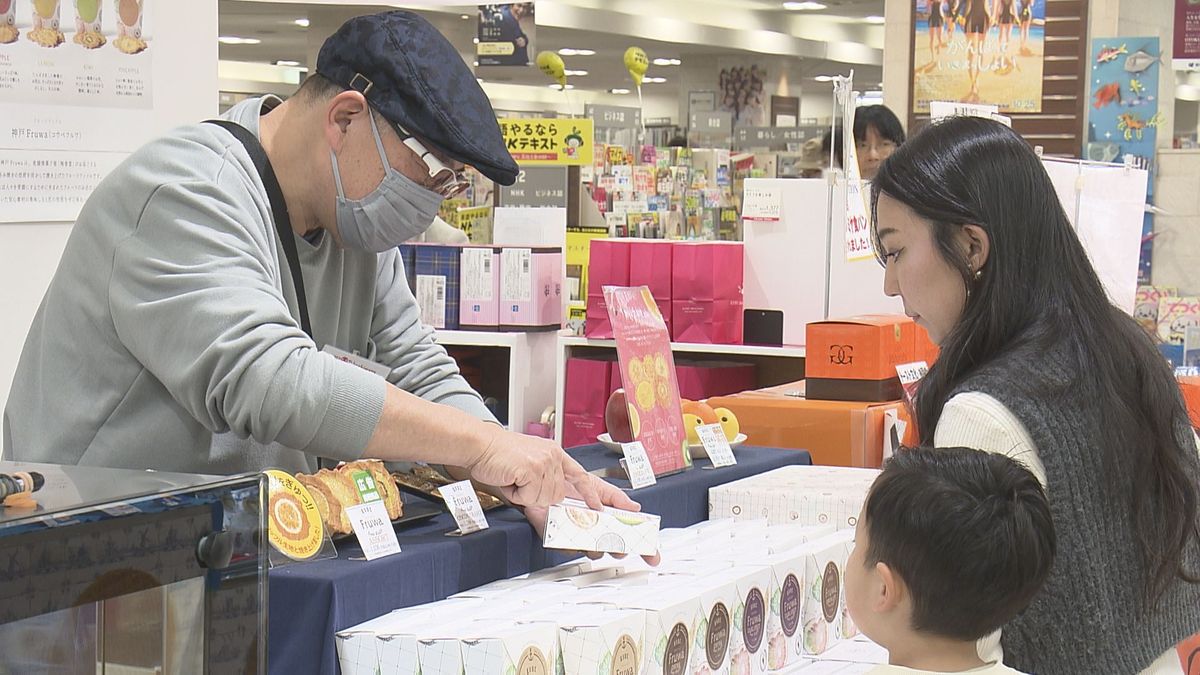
{"x": 745, "y": 598}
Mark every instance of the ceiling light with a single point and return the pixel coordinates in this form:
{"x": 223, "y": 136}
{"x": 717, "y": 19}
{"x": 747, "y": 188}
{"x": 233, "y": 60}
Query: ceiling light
{"x": 464, "y": 17}
{"x": 475, "y": 63}
{"x": 567, "y": 51}
{"x": 475, "y": 40}
{"x": 823, "y": 78}
{"x": 667, "y": 62}
{"x": 234, "y": 40}
{"x": 288, "y": 63}
{"x": 575, "y": 73}
{"x": 618, "y": 91}
{"x": 555, "y": 86}
{"x": 874, "y": 18}
{"x": 654, "y": 80}
{"x": 804, "y": 6}
{"x": 303, "y": 23}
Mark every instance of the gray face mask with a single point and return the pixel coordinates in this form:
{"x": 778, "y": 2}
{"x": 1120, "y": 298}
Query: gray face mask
{"x": 396, "y": 211}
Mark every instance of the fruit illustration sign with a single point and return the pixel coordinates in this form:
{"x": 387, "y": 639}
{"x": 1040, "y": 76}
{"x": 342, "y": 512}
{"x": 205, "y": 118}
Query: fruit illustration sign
{"x": 648, "y": 376}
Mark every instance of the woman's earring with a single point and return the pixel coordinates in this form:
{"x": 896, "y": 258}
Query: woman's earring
{"x": 978, "y": 275}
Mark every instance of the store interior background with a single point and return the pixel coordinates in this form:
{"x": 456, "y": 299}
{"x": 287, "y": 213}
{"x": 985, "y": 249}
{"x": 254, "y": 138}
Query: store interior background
{"x": 275, "y": 42}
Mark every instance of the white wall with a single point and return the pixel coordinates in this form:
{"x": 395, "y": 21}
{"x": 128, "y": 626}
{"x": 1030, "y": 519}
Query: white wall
{"x": 185, "y": 90}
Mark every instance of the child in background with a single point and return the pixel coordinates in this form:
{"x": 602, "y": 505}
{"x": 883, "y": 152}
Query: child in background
{"x": 950, "y": 546}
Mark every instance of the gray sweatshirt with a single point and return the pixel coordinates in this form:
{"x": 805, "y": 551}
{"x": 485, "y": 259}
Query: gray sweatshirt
{"x": 169, "y": 337}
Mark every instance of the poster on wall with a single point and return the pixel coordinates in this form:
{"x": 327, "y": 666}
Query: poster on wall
{"x": 75, "y": 89}
{"x": 1186, "y": 54}
{"x": 1123, "y": 117}
{"x": 964, "y": 51}
{"x": 506, "y": 34}
{"x": 740, "y": 92}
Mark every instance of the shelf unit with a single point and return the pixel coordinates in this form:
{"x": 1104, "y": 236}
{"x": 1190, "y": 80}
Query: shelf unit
{"x": 531, "y": 389}
{"x": 774, "y": 365}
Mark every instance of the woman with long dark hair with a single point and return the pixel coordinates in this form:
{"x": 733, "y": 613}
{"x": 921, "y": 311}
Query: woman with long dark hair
{"x": 1038, "y": 364}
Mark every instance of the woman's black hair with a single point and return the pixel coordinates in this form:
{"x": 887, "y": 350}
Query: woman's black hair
{"x": 1038, "y": 288}
{"x": 880, "y": 117}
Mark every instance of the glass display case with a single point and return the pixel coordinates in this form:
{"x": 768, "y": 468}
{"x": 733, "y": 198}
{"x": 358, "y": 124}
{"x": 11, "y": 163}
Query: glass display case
{"x": 123, "y": 572}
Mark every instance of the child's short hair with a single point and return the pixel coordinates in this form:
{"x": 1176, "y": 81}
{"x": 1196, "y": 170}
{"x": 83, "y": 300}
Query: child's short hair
{"x": 969, "y": 532}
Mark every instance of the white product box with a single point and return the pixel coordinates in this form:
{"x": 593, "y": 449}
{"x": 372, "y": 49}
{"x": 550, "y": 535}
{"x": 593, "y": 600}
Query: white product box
{"x": 823, "y": 607}
{"x": 805, "y": 495}
{"x": 718, "y": 601}
{"x": 672, "y": 619}
{"x": 572, "y": 525}
{"x": 491, "y": 647}
{"x": 389, "y": 643}
{"x": 601, "y": 640}
{"x": 748, "y": 641}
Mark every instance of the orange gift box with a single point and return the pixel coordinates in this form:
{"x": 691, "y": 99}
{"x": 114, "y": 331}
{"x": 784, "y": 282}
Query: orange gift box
{"x": 836, "y": 433}
{"x": 1190, "y": 386}
{"x": 855, "y": 359}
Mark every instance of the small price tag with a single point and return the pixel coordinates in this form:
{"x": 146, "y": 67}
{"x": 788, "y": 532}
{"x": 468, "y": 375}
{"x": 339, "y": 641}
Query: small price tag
{"x": 716, "y": 445}
{"x": 373, "y": 529}
{"x": 356, "y": 360}
{"x": 464, "y": 506}
{"x": 637, "y": 465}
{"x": 911, "y": 373}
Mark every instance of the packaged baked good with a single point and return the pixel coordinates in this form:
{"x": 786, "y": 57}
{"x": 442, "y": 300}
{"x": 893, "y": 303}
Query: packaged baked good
{"x": 334, "y": 490}
{"x": 426, "y": 480}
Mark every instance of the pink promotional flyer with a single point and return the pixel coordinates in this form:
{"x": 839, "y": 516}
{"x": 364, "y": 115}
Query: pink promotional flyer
{"x": 648, "y": 376}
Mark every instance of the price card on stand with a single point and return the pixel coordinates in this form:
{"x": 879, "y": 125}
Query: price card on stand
{"x": 910, "y": 375}
{"x": 637, "y": 465}
{"x": 370, "y": 519}
{"x": 716, "y": 445}
{"x": 762, "y": 202}
{"x": 464, "y": 506}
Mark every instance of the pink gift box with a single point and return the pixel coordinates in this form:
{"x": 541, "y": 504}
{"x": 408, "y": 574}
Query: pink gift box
{"x": 581, "y": 429}
{"x": 650, "y": 266}
{"x": 588, "y": 385}
{"x": 717, "y": 322}
{"x": 706, "y": 292}
{"x": 608, "y": 265}
{"x": 699, "y": 380}
{"x": 479, "y": 288}
{"x": 531, "y": 289}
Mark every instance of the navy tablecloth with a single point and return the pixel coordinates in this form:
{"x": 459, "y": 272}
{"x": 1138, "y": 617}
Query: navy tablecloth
{"x": 309, "y": 602}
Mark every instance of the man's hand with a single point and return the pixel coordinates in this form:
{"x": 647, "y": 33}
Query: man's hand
{"x": 528, "y": 471}
{"x": 593, "y": 490}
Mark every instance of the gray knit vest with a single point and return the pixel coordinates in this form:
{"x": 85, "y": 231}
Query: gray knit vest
{"x": 1087, "y": 617}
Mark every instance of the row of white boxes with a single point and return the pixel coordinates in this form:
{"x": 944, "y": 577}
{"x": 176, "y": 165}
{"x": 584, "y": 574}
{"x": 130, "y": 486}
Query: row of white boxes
{"x": 743, "y": 598}
{"x": 806, "y": 495}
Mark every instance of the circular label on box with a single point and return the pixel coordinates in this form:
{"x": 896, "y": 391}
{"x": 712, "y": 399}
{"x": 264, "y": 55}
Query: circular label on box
{"x": 754, "y": 620}
{"x": 294, "y": 524}
{"x": 831, "y": 592}
{"x": 789, "y": 605}
{"x": 675, "y": 660}
{"x": 625, "y": 657}
{"x": 716, "y": 645}
{"x": 532, "y": 662}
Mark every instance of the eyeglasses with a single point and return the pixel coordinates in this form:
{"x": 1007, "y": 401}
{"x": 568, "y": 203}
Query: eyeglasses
{"x": 442, "y": 179}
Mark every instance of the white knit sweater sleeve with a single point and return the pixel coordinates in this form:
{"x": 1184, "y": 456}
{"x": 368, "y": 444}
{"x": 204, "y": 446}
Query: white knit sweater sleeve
{"x": 976, "y": 420}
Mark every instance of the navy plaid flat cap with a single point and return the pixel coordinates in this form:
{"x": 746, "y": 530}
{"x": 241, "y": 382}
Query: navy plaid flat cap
{"x": 412, "y": 75}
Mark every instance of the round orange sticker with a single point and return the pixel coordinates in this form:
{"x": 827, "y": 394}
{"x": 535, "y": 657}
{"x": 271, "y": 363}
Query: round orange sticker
{"x": 295, "y": 527}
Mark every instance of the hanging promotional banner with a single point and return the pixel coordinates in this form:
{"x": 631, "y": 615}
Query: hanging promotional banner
{"x": 1186, "y": 54}
{"x": 858, "y": 229}
{"x": 506, "y": 34}
{"x": 548, "y": 142}
{"x": 962, "y": 51}
{"x": 1123, "y": 117}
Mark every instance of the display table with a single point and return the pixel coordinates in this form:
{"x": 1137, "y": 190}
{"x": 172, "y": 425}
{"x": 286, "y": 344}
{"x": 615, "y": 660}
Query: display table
{"x": 309, "y": 602}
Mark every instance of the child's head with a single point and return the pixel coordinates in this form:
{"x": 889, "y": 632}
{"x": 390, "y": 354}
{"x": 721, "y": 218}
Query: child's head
{"x": 951, "y": 543}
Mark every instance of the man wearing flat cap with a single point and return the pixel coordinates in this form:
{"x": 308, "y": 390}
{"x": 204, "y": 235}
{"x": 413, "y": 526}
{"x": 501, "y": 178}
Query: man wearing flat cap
{"x": 184, "y": 329}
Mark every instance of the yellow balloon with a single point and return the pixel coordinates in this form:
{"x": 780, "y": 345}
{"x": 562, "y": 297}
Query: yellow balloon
{"x": 637, "y": 63}
{"x": 552, "y": 65}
